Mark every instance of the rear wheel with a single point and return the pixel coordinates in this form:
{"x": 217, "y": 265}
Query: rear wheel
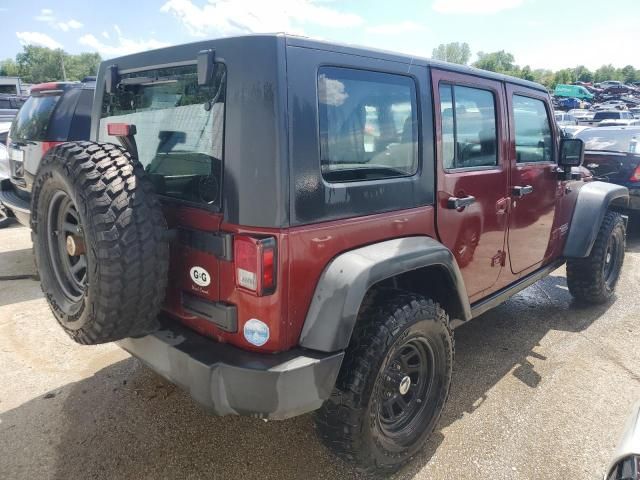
{"x": 393, "y": 384}
{"x": 593, "y": 279}
{"x": 99, "y": 242}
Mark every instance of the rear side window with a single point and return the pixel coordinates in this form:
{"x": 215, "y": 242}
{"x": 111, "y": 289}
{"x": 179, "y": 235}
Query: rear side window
{"x": 179, "y": 128}
{"x": 32, "y": 120}
{"x": 368, "y": 125}
{"x": 469, "y": 132}
{"x": 533, "y": 139}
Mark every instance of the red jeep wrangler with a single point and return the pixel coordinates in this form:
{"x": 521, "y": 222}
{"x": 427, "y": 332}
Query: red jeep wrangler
{"x": 281, "y": 225}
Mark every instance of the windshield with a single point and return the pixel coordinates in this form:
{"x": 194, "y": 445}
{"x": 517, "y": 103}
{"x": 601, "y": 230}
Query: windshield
{"x": 179, "y": 127}
{"x": 32, "y": 121}
{"x": 614, "y": 139}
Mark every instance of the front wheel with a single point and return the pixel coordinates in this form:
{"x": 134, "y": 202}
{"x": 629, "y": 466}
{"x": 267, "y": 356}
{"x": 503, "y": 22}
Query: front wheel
{"x": 393, "y": 383}
{"x": 593, "y": 279}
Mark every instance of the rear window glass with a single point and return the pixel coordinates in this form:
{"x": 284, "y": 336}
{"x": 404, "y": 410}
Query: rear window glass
{"x": 607, "y": 115}
{"x": 613, "y": 139}
{"x": 179, "y": 127}
{"x": 12, "y": 89}
{"x": 32, "y": 120}
{"x": 368, "y": 125}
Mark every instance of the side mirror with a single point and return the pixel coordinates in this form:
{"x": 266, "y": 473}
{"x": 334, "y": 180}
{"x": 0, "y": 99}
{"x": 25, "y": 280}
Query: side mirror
{"x": 205, "y": 66}
{"x": 571, "y": 152}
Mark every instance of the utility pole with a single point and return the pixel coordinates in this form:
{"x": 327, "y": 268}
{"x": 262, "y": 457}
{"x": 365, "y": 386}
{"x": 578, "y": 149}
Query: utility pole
{"x": 64, "y": 73}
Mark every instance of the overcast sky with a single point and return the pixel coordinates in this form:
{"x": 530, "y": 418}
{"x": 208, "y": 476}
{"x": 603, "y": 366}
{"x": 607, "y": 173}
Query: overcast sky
{"x": 540, "y": 33}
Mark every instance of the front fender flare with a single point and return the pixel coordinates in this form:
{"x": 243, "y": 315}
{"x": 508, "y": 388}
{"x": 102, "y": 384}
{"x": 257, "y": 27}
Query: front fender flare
{"x": 594, "y": 199}
{"x": 345, "y": 281}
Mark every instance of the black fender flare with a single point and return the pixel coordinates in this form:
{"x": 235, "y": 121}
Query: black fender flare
{"x": 345, "y": 281}
{"x": 594, "y": 199}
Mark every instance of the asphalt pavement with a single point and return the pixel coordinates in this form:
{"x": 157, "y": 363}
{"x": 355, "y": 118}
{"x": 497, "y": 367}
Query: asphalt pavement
{"x": 541, "y": 389}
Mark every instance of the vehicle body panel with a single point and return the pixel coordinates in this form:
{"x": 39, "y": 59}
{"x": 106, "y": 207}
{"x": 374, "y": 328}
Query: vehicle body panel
{"x": 532, "y": 216}
{"x": 475, "y": 234}
{"x": 575, "y": 91}
{"x": 312, "y": 220}
{"x": 334, "y": 240}
{"x": 56, "y": 112}
{"x": 608, "y": 157}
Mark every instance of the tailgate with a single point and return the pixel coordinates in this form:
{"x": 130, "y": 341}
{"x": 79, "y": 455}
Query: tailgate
{"x": 611, "y": 166}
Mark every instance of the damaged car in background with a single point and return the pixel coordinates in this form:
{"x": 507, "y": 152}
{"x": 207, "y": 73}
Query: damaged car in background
{"x": 613, "y": 155}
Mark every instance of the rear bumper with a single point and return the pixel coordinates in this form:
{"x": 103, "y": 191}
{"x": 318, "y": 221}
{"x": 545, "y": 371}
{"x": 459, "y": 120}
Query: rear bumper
{"x": 17, "y": 205}
{"x": 229, "y": 381}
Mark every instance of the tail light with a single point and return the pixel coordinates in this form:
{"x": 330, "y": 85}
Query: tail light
{"x": 255, "y": 264}
{"x": 120, "y": 129}
{"x": 635, "y": 177}
{"x": 46, "y": 146}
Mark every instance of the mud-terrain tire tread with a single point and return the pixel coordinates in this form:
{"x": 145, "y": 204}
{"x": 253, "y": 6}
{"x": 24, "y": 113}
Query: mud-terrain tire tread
{"x": 584, "y": 275}
{"x": 380, "y": 322}
{"x": 125, "y": 232}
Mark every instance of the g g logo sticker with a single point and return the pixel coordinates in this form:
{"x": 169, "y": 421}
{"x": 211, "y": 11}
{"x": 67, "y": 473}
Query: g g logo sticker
{"x": 200, "y": 276}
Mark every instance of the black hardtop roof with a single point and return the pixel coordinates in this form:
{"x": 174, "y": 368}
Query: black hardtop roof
{"x": 407, "y": 59}
{"x": 128, "y": 61}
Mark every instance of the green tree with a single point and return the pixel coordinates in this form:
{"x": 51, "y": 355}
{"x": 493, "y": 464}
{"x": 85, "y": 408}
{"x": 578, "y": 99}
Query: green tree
{"x": 40, "y": 64}
{"x": 629, "y": 74}
{"x": 606, "y": 72}
{"x": 454, "y": 52}
{"x": 9, "y": 68}
{"x": 527, "y": 74}
{"x": 564, "y": 76}
{"x": 582, "y": 74}
{"x": 501, "y": 61}
{"x": 82, "y": 65}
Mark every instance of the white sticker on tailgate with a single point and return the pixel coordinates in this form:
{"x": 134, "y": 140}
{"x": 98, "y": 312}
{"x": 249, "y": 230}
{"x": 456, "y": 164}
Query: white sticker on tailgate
{"x": 200, "y": 276}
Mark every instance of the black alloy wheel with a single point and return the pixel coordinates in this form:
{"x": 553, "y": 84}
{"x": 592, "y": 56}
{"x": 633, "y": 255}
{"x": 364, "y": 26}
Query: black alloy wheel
{"x": 401, "y": 388}
{"x": 66, "y": 244}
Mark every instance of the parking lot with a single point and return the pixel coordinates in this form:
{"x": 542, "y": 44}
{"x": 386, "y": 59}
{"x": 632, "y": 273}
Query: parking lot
{"x": 540, "y": 390}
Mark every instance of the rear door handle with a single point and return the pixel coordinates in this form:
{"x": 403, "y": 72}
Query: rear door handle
{"x": 455, "y": 203}
{"x": 521, "y": 191}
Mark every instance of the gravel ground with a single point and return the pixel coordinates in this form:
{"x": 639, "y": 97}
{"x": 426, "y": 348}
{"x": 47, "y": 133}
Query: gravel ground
{"x": 541, "y": 389}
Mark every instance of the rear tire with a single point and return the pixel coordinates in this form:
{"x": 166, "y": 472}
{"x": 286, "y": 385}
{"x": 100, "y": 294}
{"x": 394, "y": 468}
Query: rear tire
{"x": 99, "y": 239}
{"x": 593, "y": 279}
{"x": 368, "y": 420}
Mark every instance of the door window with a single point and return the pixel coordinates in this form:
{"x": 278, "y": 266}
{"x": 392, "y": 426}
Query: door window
{"x": 533, "y": 139}
{"x": 368, "y": 125}
{"x": 469, "y": 127}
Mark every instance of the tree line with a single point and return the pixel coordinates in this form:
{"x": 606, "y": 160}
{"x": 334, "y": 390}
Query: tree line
{"x": 40, "y": 64}
{"x": 504, "y": 62}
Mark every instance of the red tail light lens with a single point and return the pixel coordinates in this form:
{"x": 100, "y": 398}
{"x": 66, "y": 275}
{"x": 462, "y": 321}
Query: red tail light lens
{"x": 255, "y": 264}
{"x": 118, "y": 129}
{"x": 635, "y": 177}
{"x": 46, "y": 146}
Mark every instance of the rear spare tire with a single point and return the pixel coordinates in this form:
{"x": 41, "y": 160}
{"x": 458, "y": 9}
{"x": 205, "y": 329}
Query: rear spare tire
{"x": 100, "y": 244}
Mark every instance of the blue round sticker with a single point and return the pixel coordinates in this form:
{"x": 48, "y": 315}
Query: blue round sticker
{"x": 256, "y": 332}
